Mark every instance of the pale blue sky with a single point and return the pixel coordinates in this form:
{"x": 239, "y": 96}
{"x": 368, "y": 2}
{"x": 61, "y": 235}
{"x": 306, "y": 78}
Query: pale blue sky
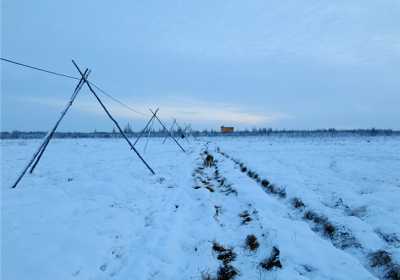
{"x": 280, "y": 64}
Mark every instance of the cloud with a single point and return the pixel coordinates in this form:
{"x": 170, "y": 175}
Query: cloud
{"x": 195, "y": 111}
{"x": 347, "y": 32}
{"x": 215, "y": 113}
{"x": 187, "y": 112}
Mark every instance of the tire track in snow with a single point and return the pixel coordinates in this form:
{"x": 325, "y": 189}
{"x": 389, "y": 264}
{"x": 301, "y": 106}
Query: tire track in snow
{"x": 338, "y": 234}
{"x": 267, "y": 221}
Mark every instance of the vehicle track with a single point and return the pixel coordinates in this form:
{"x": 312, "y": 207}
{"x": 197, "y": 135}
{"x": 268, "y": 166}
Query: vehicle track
{"x": 248, "y": 217}
{"x": 328, "y": 228}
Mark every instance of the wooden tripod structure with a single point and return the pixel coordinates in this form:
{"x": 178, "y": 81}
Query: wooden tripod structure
{"x": 38, "y": 154}
{"x": 189, "y": 128}
{"x": 152, "y": 119}
{"x": 182, "y": 131}
{"x": 170, "y": 130}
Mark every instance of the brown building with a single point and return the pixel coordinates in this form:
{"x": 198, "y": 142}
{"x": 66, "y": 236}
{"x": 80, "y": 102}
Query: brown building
{"x": 226, "y": 129}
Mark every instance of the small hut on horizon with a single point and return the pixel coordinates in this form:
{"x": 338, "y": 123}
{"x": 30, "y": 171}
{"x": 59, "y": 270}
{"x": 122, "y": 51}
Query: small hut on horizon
{"x": 227, "y": 129}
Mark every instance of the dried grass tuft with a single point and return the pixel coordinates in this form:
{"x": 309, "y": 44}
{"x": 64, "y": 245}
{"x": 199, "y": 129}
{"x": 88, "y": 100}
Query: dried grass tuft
{"x": 378, "y": 258}
{"x": 227, "y": 272}
{"x": 272, "y": 261}
{"x": 251, "y": 174}
{"x": 265, "y": 183}
{"x": 245, "y": 217}
{"x": 251, "y": 242}
{"x": 226, "y": 255}
{"x": 392, "y": 273}
{"x": 297, "y": 203}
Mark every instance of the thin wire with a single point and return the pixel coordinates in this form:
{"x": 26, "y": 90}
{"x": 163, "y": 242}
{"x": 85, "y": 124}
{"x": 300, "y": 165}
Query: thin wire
{"x": 39, "y": 69}
{"x": 75, "y": 79}
{"x": 117, "y": 100}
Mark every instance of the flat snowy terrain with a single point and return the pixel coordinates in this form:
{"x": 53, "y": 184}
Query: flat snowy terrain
{"x": 269, "y": 208}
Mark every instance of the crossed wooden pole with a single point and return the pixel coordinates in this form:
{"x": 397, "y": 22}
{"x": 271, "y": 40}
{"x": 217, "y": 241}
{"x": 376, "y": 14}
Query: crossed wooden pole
{"x": 168, "y": 132}
{"x": 188, "y": 127}
{"x": 38, "y": 154}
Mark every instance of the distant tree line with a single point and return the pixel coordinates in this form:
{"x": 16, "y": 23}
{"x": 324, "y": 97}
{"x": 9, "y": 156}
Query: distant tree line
{"x": 331, "y": 132}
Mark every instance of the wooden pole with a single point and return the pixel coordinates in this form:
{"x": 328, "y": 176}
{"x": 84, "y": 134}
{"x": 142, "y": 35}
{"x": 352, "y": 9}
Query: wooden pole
{"x": 148, "y": 136}
{"x": 144, "y": 129}
{"x": 190, "y": 128}
{"x": 182, "y": 133}
{"x": 105, "y": 109}
{"x": 168, "y": 131}
{"x": 187, "y": 128}
{"x": 39, "y": 155}
{"x": 77, "y": 89}
{"x": 51, "y": 132}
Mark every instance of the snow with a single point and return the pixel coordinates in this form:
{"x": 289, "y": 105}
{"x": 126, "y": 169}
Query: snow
{"x": 92, "y": 210}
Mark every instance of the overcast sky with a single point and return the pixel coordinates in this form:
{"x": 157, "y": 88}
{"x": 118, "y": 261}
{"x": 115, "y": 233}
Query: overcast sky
{"x": 280, "y": 64}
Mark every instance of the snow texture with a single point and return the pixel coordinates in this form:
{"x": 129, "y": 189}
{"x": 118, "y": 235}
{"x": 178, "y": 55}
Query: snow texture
{"x": 318, "y": 207}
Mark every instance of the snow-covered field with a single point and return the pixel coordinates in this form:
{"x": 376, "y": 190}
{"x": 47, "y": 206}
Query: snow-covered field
{"x": 319, "y": 208}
